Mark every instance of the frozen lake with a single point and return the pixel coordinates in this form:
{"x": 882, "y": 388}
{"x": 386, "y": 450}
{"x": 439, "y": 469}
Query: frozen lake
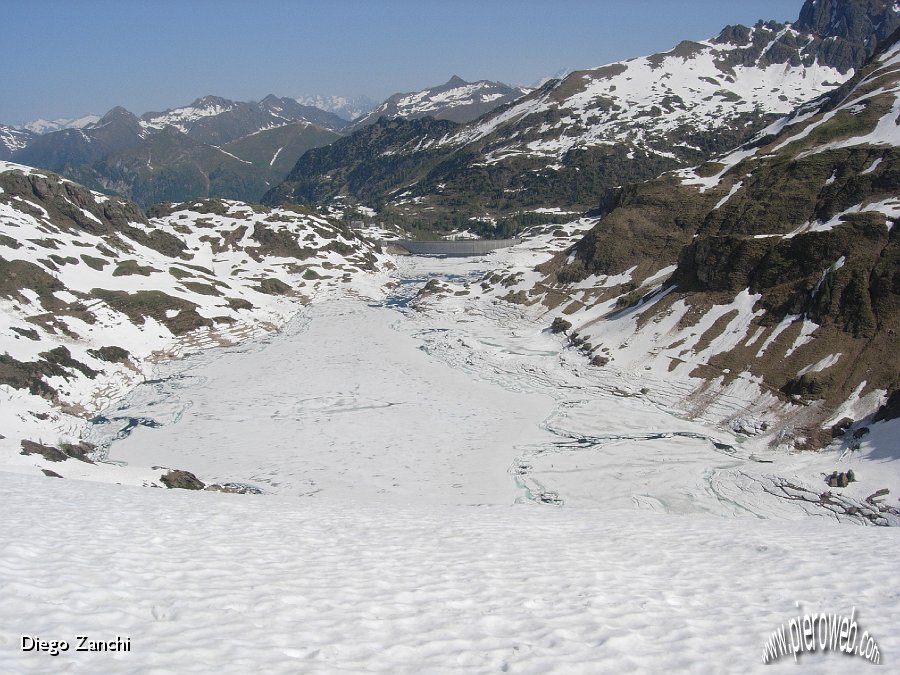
{"x": 373, "y": 401}
{"x": 341, "y": 403}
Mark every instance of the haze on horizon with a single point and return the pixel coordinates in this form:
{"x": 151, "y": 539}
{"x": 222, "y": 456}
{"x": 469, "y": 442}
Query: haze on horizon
{"x": 68, "y": 59}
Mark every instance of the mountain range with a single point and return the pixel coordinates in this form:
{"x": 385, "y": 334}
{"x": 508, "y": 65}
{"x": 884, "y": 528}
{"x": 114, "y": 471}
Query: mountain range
{"x": 569, "y": 144}
{"x": 216, "y": 146}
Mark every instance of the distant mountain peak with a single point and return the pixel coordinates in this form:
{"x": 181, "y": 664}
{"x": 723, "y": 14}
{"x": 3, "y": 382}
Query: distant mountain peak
{"x": 42, "y": 126}
{"x": 114, "y": 114}
{"x": 345, "y": 107}
{"x": 456, "y": 100}
{"x": 210, "y": 101}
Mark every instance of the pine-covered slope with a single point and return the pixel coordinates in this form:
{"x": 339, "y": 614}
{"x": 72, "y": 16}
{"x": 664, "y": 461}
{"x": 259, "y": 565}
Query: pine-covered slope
{"x": 275, "y": 151}
{"x": 760, "y": 290}
{"x": 92, "y": 292}
{"x": 569, "y": 143}
{"x": 366, "y": 164}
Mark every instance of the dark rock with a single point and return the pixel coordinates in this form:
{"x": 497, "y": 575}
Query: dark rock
{"x": 891, "y": 409}
{"x": 841, "y": 427}
{"x": 842, "y": 480}
{"x": 883, "y": 492}
{"x": 48, "y": 452}
{"x": 851, "y": 476}
{"x": 234, "y": 488}
{"x": 560, "y": 325}
{"x": 859, "y": 433}
{"x": 185, "y": 480}
{"x": 51, "y": 474}
{"x": 110, "y": 354}
{"x": 78, "y": 450}
{"x": 861, "y": 25}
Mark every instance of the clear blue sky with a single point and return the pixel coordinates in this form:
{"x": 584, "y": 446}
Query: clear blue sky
{"x": 64, "y": 58}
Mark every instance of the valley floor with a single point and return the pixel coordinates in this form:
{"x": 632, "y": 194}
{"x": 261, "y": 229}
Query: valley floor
{"x": 412, "y": 460}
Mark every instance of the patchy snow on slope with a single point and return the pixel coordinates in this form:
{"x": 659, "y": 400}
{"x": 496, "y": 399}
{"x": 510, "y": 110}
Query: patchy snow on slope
{"x": 823, "y": 364}
{"x": 230, "y": 276}
{"x": 182, "y": 118}
{"x": 641, "y": 101}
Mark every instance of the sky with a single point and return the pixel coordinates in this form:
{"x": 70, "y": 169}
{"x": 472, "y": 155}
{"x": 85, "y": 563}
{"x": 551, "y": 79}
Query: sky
{"x": 67, "y": 58}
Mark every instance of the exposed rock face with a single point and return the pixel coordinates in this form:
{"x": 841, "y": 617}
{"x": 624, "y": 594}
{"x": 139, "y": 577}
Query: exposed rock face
{"x": 69, "y": 204}
{"x": 862, "y": 25}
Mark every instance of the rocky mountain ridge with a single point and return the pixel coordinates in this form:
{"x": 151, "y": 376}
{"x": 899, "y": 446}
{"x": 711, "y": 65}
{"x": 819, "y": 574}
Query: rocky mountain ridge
{"x": 152, "y": 159}
{"x": 216, "y": 120}
{"x": 212, "y": 147}
{"x": 455, "y": 100}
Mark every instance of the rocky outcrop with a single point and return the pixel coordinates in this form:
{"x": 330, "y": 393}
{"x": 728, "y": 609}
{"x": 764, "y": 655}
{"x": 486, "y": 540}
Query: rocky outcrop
{"x": 861, "y": 25}
{"x": 182, "y": 480}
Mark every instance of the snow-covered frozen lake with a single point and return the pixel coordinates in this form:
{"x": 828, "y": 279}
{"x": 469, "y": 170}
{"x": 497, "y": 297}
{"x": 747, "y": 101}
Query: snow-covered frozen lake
{"x": 372, "y": 401}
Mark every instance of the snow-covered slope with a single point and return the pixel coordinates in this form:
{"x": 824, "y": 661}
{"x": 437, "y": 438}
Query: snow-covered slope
{"x": 346, "y": 107}
{"x": 12, "y": 139}
{"x": 42, "y": 126}
{"x": 455, "y": 100}
{"x": 229, "y": 583}
{"x": 93, "y": 293}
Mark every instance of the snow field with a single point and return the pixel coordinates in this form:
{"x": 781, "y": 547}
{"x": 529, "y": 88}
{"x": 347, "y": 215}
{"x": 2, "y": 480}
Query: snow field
{"x": 203, "y": 582}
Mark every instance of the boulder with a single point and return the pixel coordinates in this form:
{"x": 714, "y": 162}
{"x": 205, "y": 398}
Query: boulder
{"x": 185, "y": 480}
